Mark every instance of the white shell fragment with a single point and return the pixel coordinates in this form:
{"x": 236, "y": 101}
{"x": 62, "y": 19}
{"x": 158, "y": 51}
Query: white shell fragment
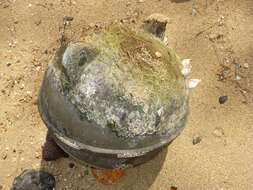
{"x": 192, "y": 83}
{"x": 165, "y": 40}
{"x": 186, "y": 63}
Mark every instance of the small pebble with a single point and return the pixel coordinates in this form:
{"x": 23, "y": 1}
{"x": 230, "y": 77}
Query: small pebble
{"x": 173, "y": 188}
{"x": 22, "y": 86}
{"x": 91, "y": 25}
{"x": 246, "y": 65}
{"x": 158, "y": 54}
{"x": 38, "y": 22}
{"x": 4, "y": 156}
{"x": 238, "y": 77}
{"x": 214, "y": 37}
{"x": 218, "y": 132}
{"x": 71, "y": 165}
{"x": 196, "y": 139}
{"x": 68, "y": 18}
{"x": 8, "y": 64}
{"x": 194, "y": 12}
{"x": 223, "y": 99}
{"x": 35, "y": 179}
{"x": 37, "y": 155}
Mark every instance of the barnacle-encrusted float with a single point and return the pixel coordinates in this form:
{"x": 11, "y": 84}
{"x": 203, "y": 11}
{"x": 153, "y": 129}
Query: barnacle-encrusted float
{"x": 115, "y": 98}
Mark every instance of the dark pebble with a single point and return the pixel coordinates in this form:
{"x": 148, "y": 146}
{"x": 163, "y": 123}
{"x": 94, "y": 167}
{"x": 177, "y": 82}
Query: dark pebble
{"x": 71, "y": 165}
{"x": 68, "y": 18}
{"x": 8, "y": 64}
{"x": 34, "y": 180}
{"x": 196, "y": 140}
{"x": 223, "y": 99}
{"x": 4, "y": 156}
{"x": 173, "y": 188}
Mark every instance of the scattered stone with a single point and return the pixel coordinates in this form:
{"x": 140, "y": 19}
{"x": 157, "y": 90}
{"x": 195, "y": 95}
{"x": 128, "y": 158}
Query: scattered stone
{"x": 4, "y": 156}
{"x": 37, "y": 22}
{"x": 91, "y": 25}
{"x": 6, "y": 6}
{"x": 221, "y": 21}
{"x": 173, "y": 188}
{"x": 37, "y": 155}
{"x": 8, "y": 64}
{"x": 68, "y": 18}
{"x": 215, "y": 37}
{"x": 196, "y": 139}
{"x": 22, "y": 86}
{"x": 194, "y": 12}
{"x": 218, "y": 132}
{"x": 32, "y": 179}
{"x": 3, "y": 91}
{"x": 238, "y": 77}
{"x": 223, "y": 99}
{"x": 71, "y": 165}
{"x": 246, "y": 65}
{"x": 15, "y": 22}
{"x": 29, "y": 5}
{"x": 158, "y": 54}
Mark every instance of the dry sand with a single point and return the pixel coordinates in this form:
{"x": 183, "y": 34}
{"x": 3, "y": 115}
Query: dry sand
{"x": 218, "y": 37}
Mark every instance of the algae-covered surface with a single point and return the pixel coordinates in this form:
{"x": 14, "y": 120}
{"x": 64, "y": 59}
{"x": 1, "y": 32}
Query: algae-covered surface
{"x": 126, "y": 80}
{"x": 215, "y": 163}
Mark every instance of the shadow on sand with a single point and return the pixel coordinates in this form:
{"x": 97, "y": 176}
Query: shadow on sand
{"x": 69, "y": 174}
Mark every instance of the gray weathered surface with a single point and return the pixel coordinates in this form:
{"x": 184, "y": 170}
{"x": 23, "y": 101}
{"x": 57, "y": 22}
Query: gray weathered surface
{"x": 115, "y": 79}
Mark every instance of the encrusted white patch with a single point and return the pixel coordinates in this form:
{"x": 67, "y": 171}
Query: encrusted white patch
{"x": 192, "y": 83}
{"x": 160, "y": 111}
{"x": 186, "y": 63}
{"x": 165, "y": 41}
{"x": 89, "y": 86}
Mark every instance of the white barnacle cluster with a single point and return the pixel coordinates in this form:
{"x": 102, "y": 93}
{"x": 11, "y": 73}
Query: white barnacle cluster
{"x": 186, "y": 70}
